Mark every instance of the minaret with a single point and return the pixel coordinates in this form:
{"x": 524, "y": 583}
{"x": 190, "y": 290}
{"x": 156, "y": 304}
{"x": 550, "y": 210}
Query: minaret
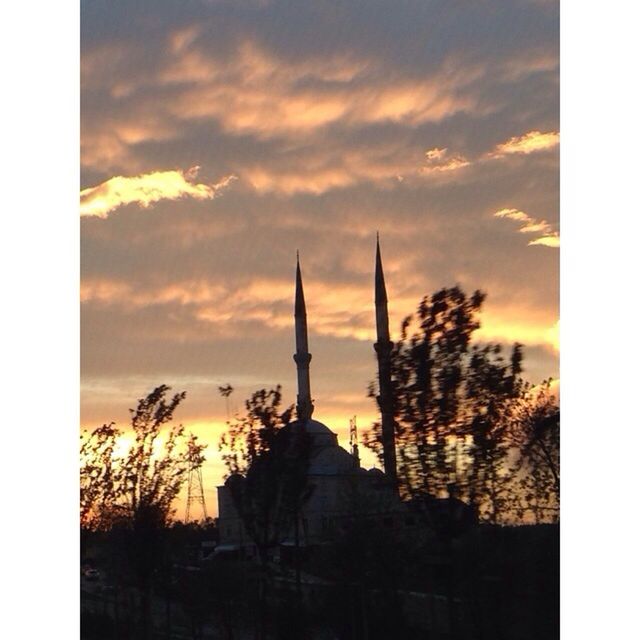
{"x": 383, "y": 348}
{"x": 302, "y": 355}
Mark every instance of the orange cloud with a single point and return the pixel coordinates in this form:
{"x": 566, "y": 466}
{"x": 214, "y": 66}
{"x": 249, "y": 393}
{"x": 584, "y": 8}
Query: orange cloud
{"x": 550, "y": 237}
{"x": 300, "y": 180}
{"x": 440, "y": 160}
{"x": 527, "y": 143}
{"x": 258, "y": 92}
{"x": 547, "y": 241}
{"x": 104, "y": 290}
{"x": 327, "y": 169}
{"x": 339, "y": 310}
{"x": 109, "y": 291}
{"x": 145, "y": 190}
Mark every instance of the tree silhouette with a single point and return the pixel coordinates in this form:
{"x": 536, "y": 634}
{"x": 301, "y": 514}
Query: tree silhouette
{"x": 536, "y": 433}
{"x": 225, "y": 391}
{"x": 428, "y": 365}
{"x": 250, "y": 436}
{"x": 100, "y": 479}
{"x": 267, "y": 460}
{"x": 148, "y": 477}
{"x": 493, "y": 388}
{"x": 458, "y": 408}
{"x": 132, "y": 496}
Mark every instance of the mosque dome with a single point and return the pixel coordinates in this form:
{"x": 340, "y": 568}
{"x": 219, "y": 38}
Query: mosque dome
{"x": 328, "y": 458}
{"x": 321, "y": 434}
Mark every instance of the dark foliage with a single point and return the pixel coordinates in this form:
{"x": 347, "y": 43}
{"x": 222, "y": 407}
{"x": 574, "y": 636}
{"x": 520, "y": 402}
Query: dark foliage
{"x": 464, "y": 414}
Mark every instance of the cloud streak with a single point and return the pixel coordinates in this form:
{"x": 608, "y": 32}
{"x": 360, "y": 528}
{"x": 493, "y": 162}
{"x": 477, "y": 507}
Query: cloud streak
{"x": 145, "y": 190}
{"x": 531, "y": 142}
{"x": 441, "y": 160}
{"x": 337, "y": 310}
{"x": 549, "y": 238}
{"x": 260, "y": 93}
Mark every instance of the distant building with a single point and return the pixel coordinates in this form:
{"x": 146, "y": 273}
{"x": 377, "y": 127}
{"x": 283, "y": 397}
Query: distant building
{"x": 341, "y": 489}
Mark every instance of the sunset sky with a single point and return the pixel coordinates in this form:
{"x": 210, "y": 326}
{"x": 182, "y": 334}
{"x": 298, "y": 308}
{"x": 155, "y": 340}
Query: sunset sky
{"x": 220, "y": 137}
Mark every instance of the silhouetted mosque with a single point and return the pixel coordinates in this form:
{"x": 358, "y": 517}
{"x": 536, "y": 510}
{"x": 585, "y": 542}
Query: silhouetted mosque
{"x": 341, "y": 487}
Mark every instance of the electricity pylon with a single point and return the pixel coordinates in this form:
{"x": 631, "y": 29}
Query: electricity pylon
{"x": 195, "y": 486}
{"x": 195, "y": 494}
{"x": 353, "y": 440}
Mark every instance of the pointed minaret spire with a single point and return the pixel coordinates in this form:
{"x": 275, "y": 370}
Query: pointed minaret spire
{"x": 302, "y": 356}
{"x": 383, "y": 348}
{"x": 382, "y": 314}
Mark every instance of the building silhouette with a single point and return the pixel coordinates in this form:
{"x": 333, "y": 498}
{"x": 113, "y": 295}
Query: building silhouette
{"x": 340, "y": 489}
